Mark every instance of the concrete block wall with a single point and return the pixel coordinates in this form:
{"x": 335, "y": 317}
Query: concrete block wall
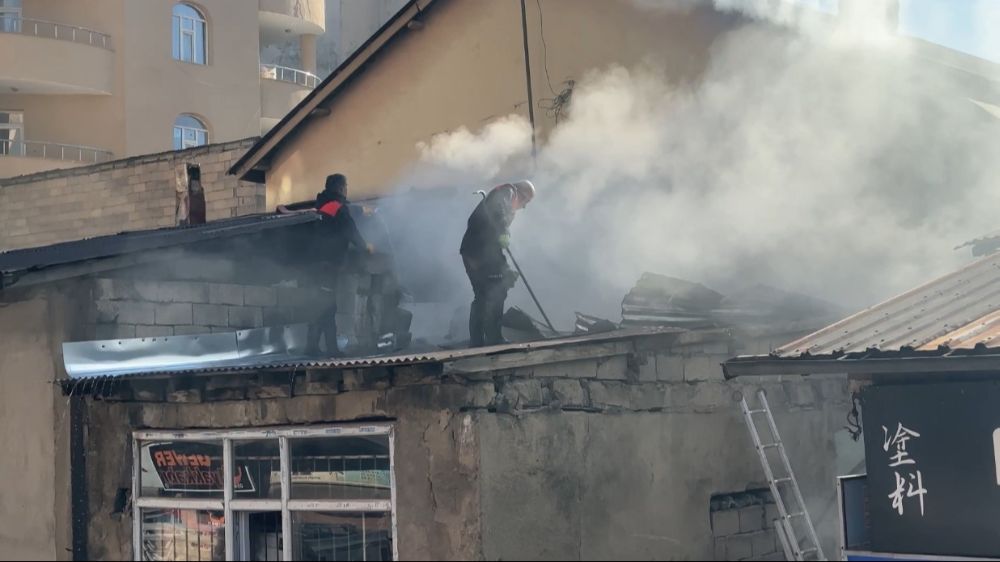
{"x": 130, "y": 308}
{"x": 131, "y": 194}
{"x": 743, "y": 526}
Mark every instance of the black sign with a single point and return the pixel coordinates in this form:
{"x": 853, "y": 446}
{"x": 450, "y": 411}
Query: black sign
{"x": 933, "y": 459}
{"x": 196, "y": 467}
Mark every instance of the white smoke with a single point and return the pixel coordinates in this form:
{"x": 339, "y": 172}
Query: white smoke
{"x": 826, "y": 159}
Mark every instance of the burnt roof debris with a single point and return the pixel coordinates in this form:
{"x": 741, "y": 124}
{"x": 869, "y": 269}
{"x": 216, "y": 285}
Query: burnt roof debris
{"x": 659, "y": 300}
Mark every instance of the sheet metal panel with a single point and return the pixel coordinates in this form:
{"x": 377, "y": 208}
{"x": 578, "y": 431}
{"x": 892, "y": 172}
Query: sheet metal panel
{"x": 958, "y": 310}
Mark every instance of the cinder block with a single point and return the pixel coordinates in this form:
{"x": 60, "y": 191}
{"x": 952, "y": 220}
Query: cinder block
{"x": 763, "y": 543}
{"x": 612, "y": 368}
{"x": 481, "y": 395}
{"x": 182, "y": 291}
{"x": 834, "y": 390}
{"x": 580, "y": 369}
{"x": 774, "y": 556}
{"x": 569, "y": 393}
{"x": 153, "y": 331}
{"x": 725, "y": 523}
{"x": 125, "y": 312}
{"x": 648, "y": 396}
{"x": 174, "y": 314}
{"x": 225, "y": 293}
{"x": 260, "y": 296}
{"x": 770, "y": 514}
{"x": 211, "y": 315}
{"x": 245, "y": 317}
{"x": 525, "y": 393}
{"x": 114, "y": 289}
{"x": 669, "y": 367}
{"x": 751, "y": 518}
{"x": 739, "y": 547}
{"x": 699, "y": 368}
{"x": 192, "y": 330}
{"x": 720, "y": 549}
{"x": 114, "y": 331}
{"x": 647, "y": 367}
{"x": 609, "y": 394}
{"x": 710, "y": 396}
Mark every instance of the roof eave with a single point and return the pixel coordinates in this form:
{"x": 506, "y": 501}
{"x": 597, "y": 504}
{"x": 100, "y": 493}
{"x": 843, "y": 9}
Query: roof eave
{"x": 751, "y": 366}
{"x": 247, "y": 167}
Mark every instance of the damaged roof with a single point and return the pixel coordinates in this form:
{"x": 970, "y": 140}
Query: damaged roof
{"x": 15, "y": 264}
{"x": 947, "y": 325}
{"x": 280, "y": 349}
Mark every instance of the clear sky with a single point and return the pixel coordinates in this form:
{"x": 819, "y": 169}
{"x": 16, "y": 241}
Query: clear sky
{"x": 970, "y": 26}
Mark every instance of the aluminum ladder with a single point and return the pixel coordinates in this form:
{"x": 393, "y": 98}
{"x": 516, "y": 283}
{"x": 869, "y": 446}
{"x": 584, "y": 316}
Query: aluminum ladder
{"x": 792, "y": 517}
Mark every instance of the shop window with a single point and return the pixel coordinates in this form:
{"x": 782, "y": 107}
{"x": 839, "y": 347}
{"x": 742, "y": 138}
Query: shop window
{"x": 203, "y": 495}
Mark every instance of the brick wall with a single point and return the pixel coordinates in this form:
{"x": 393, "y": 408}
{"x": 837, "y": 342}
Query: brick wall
{"x": 131, "y": 194}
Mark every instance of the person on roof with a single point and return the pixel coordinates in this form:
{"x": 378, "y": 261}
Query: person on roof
{"x": 336, "y": 232}
{"x": 486, "y": 238}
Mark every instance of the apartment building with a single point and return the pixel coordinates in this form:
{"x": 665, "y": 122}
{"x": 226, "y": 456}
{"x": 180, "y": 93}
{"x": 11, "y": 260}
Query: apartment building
{"x": 89, "y": 81}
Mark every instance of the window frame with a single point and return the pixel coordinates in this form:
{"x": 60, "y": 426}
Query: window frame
{"x": 12, "y": 146}
{"x": 286, "y": 506}
{"x": 178, "y": 38}
{"x": 185, "y": 129}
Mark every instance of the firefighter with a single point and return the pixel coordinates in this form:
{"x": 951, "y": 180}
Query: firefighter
{"x": 336, "y": 232}
{"x": 483, "y": 245}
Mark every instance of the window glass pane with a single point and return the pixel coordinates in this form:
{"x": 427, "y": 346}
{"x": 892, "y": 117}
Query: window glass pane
{"x": 188, "y": 469}
{"x": 341, "y": 536}
{"x": 199, "y": 44}
{"x": 189, "y": 121}
{"x": 341, "y": 468}
{"x": 187, "y": 47}
{"x": 262, "y": 540}
{"x": 178, "y": 138}
{"x": 182, "y": 534}
{"x": 187, "y": 11}
{"x": 10, "y": 4}
{"x": 260, "y": 463}
{"x": 175, "y": 38}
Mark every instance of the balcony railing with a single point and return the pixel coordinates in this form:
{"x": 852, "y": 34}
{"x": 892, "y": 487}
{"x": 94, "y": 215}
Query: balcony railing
{"x": 53, "y": 151}
{"x": 290, "y": 75}
{"x": 50, "y": 30}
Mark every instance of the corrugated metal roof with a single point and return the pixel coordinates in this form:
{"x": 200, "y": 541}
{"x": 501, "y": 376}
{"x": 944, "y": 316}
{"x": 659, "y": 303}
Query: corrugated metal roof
{"x": 958, "y": 311}
{"x": 142, "y": 241}
{"x": 294, "y": 361}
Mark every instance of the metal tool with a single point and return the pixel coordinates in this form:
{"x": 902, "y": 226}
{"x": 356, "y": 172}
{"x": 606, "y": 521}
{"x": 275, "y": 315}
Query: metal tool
{"x": 790, "y": 519}
{"x": 520, "y": 274}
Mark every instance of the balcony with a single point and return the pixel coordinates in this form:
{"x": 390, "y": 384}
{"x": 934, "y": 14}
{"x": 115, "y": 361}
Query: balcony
{"x": 281, "y": 89}
{"x": 27, "y": 157}
{"x": 42, "y": 57}
{"x": 299, "y": 17}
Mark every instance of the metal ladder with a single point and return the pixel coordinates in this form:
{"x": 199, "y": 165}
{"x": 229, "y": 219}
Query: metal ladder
{"x": 791, "y": 517}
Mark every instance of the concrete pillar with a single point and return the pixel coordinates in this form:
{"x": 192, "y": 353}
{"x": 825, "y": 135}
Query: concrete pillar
{"x": 307, "y": 50}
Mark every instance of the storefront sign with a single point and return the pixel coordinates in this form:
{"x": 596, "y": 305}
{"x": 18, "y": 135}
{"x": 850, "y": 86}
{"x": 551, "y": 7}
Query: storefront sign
{"x": 196, "y": 467}
{"x": 933, "y": 463}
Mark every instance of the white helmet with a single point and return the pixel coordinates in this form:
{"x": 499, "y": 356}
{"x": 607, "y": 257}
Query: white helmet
{"x": 525, "y": 189}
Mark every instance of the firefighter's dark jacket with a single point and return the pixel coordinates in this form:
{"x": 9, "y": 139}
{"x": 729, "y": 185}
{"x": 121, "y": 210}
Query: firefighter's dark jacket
{"x": 487, "y": 224}
{"x": 336, "y": 229}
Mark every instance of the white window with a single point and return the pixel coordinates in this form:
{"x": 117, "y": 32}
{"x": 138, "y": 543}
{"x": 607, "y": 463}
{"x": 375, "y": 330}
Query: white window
{"x": 11, "y": 133}
{"x": 190, "y": 35}
{"x": 204, "y": 495}
{"x": 10, "y": 16}
{"x": 189, "y": 131}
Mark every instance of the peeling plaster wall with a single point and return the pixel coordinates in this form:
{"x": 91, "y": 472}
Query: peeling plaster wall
{"x": 606, "y": 450}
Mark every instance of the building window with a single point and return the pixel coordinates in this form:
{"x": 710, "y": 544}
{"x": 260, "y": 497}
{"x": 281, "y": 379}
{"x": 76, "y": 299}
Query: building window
{"x": 10, "y": 16}
{"x": 11, "y": 133}
{"x": 242, "y": 493}
{"x": 190, "y": 34}
{"x": 189, "y": 131}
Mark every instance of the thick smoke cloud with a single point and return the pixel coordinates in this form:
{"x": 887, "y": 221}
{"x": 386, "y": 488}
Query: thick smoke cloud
{"x": 817, "y": 154}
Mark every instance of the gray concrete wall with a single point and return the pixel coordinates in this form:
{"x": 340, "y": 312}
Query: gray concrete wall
{"x": 607, "y": 450}
{"x": 34, "y": 417}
